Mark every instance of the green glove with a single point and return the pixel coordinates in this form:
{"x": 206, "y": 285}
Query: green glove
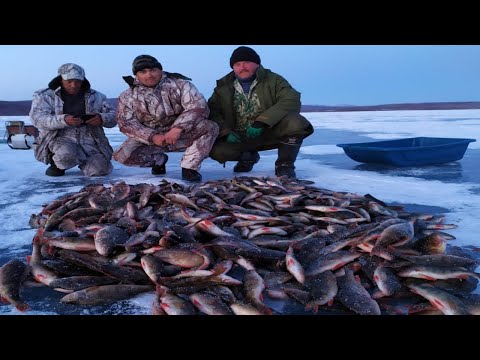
{"x": 253, "y": 132}
{"x": 233, "y": 138}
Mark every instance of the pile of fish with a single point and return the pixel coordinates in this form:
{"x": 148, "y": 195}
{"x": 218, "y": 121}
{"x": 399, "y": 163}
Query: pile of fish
{"x": 235, "y": 246}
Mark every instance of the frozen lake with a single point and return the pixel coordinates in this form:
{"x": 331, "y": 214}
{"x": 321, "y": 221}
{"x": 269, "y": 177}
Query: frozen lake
{"x": 452, "y": 189}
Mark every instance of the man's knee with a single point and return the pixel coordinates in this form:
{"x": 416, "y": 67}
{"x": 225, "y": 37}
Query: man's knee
{"x": 293, "y": 124}
{"x": 217, "y": 153}
{"x": 213, "y": 128}
{"x": 65, "y": 160}
{"x": 97, "y": 166}
{"x": 223, "y": 152}
{"x": 205, "y": 127}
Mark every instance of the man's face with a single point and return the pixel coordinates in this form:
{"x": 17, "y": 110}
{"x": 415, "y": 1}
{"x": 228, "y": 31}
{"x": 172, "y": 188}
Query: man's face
{"x": 245, "y": 69}
{"x": 149, "y": 77}
{"x": 73, "y": 86}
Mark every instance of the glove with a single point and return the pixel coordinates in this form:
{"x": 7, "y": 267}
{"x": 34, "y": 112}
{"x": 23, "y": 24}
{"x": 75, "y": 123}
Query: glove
{"x": 233, "y": 138}
{"x": 255, "y": 130}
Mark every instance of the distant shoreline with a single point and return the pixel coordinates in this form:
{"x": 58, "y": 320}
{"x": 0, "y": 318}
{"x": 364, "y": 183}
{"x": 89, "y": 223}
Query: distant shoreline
{"x": 22, "y": 108}
{"x": 392, "y": 107}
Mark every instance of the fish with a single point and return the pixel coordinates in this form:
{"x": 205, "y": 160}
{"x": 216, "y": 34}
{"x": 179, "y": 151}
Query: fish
{"x": 174, "y": 305}
{"x": 395, "y": 235}
{"x": 354, "y": 296}
{"x": 109, "y": 238}
{"x": 254, "y": 286}
{"x": 121, "y": 273}
{"x": 440, "y": 260}
{"x": 75, "y": 283}
{"x": 120, "y": 191}
{"x": 72, "y": 243}
{"x": 294, "y": 267}
{"x": 185, "y": 258}
{"x": 264, "y": 230}
{"x": 40, "y": 272}
{"x": 442, "y": 300}
{"x": 223, "y": 244}
{"x": 104, "y": 294}
{"x": 331, "y": 261}
{"x": 436, "y": 272}
{"x": 239, "y": 308}
{"x": 323, "y": 290}
{"x": 12, "y": 276}
{"x": 182, "y": 200}
{"x": 209, "y": 304}
{"x": 153, "y": 267}
{"x": 386, "y": 280}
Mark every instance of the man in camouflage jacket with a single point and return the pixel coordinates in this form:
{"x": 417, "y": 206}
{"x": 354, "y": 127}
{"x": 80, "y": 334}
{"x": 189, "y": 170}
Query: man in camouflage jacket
{"x": 70, "y": 116}
{"x": 256, "y": 110}
{"x": 163, "y": 112}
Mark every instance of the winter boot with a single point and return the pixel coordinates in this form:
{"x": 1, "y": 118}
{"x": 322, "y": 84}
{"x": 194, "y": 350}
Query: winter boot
{"x": 287, "y": 154}
{"x": 247, "y": 160}
{"x": 285, "y": 169}
{"x": 53, "y": 170}
{"x": 191, "y": 175}
{"x": 160, "y": 169}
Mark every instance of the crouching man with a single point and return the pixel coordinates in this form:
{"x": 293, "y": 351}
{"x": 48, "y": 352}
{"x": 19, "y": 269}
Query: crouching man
{"x": 70, "y": 116}
{"x": 256, "y": 110}
{"x": 163, "y": 112}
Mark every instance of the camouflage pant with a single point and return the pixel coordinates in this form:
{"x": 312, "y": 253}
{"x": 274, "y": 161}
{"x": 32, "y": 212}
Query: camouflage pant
{"x": 197, "y": 144}
{"x": 68, "y": 154}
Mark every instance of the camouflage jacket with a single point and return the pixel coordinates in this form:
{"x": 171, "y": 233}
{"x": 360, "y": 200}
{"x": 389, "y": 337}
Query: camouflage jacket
{"x": 47, "y": 115}
{"x": 143, "y": 112}
{"x": 276, "y": 96}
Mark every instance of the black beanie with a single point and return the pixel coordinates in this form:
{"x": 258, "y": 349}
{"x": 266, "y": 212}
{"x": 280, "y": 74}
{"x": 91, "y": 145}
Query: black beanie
{"x": 145, "y": 62}
{"x": 244, "y": 53}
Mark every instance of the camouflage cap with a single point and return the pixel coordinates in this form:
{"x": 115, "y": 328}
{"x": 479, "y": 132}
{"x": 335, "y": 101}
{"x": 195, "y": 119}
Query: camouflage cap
{"x": 71, "y": 71}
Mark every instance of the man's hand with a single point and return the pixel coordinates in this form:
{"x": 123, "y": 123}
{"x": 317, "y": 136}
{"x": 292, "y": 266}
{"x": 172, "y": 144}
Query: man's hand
{"x": 233, "y": 138}
{"x": 255, "y": 130}
{"x": 73, "y": 121}
{"x": 172, "y": 136}
{"x": 95, "y": 121}
{"x": 159, "y": 140}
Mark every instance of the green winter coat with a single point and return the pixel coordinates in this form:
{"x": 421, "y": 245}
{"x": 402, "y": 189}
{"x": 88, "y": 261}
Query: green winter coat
{"x": 277, "y": 98}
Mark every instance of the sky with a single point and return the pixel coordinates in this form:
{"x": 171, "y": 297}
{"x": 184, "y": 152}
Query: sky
{"x": 324, "y": 74}
{"x": 25, "y": 188}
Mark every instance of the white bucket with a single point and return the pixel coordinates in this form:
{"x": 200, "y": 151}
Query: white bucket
{"x": 20, "y": 141}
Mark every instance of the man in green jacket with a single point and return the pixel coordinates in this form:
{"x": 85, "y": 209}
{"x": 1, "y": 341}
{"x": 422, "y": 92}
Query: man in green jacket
{"x": 256, "y": 109}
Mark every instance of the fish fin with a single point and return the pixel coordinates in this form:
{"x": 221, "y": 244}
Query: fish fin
{"x": 22, "y": 307}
